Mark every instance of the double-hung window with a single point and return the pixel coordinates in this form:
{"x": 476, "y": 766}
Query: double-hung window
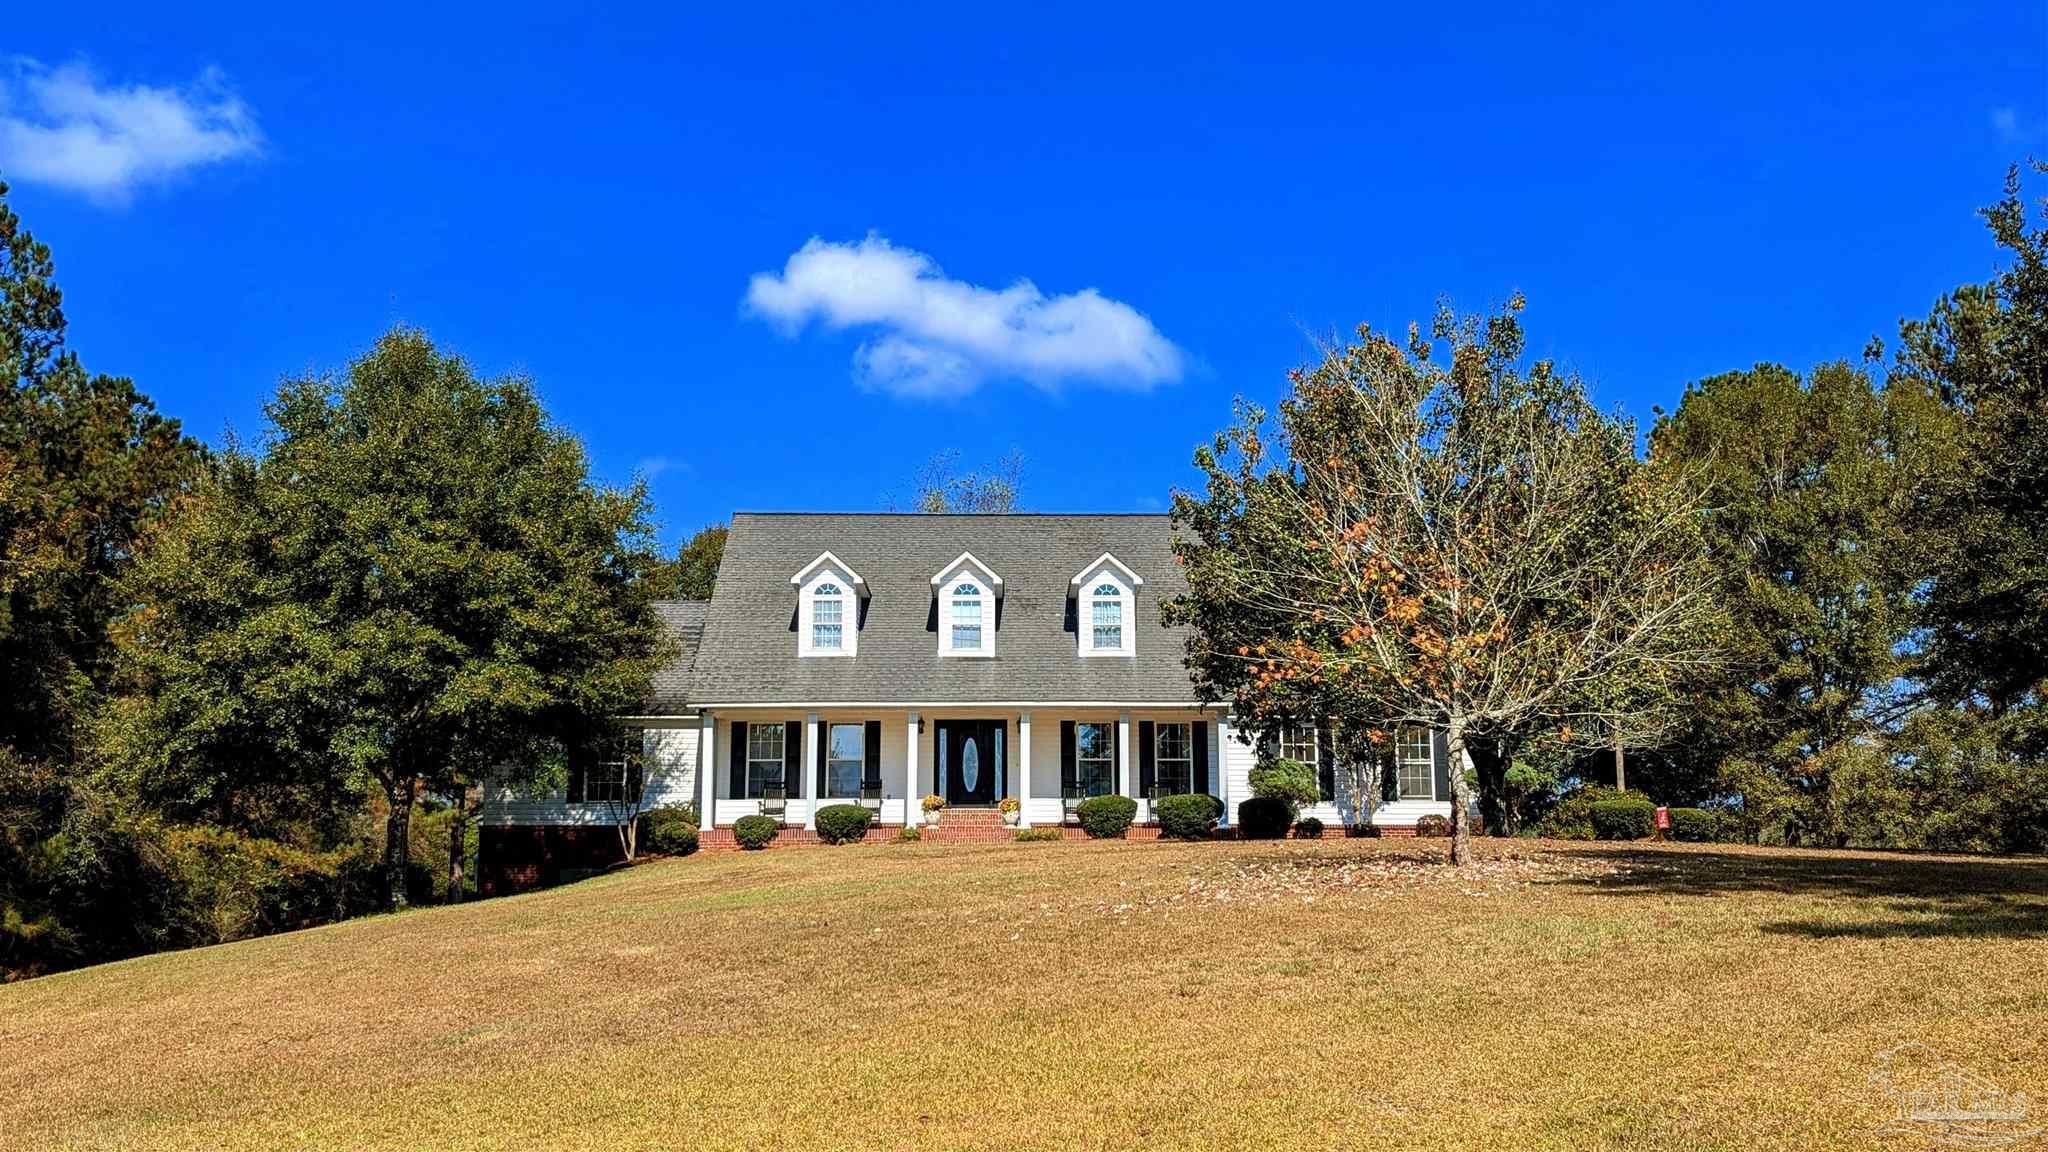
{"x": 608, "y": 778}
{"x": 1415, "y": 765}
{"x": 1106, "y": 618}
{"x": 966, "y": 617}
{"x": 1173, "y": 761}
{"x": 764, "y": 756}
{"x": 1303, "y": 742}
{"x": 845, "y": 758}
{"x": 1095, "y": 758}
{"x": 828, "y": 618}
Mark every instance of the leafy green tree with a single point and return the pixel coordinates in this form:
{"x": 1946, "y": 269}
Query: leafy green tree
{"x": 414, "y": 585}
{"x": 85, "y": 464}
{"x": 697, "y": 563}
{"x": 941, "y": 487}
{"x": 1464, "y": 542}
{"x": 1984, "y": 350}
{"x": 1814, "y": 487}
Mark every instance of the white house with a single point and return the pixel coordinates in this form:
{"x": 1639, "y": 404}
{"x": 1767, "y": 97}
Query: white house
{"x": 880, "y": 658}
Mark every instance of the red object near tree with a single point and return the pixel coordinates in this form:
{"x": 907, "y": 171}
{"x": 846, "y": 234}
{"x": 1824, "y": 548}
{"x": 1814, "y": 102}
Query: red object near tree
{"x": 1663, "y": 818}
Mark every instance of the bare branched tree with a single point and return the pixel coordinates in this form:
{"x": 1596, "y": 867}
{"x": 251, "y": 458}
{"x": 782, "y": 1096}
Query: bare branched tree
{"x": 1465, "y": 544}
{"x": 940, "y": 487}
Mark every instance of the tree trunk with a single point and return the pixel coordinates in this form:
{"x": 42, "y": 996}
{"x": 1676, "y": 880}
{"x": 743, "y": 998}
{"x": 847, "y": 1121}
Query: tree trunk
{"x": 397, "y": 849}
{"x": 458, "y": 854}
{"x": 1461, "y": 797}
{"x": 1620, "y": 764}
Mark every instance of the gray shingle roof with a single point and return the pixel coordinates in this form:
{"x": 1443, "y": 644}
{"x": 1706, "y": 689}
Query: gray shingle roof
{"x": 749, "y": 648}
{"x": 683, "y": 620}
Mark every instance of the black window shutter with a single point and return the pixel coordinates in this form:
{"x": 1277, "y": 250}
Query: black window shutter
{"x": 871, "y": 744}
{"x": 1326, "y": 762}
{"x": 739, "y": 759}
{"x": 1440, "y": 752}
{"x": 1200, "y": 730}
{"x": 1066, "y": 756}
{"x": 793, "y": 757}
{"x": 1145, "y": 761}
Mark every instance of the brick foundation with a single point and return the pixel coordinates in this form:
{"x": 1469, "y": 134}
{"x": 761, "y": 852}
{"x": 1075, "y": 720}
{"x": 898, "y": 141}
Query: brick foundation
{"x": 520, "y": 858}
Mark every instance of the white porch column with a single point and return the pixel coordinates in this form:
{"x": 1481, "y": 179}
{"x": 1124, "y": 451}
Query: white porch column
{"x": 1221, "y": 779}
{"x": 1024, "y": 770}
{"x": 911, "y": 799}
{"x": 814, "y": 788}
{"x": 1123, "y": 754}
{"x": 707, "y": 770}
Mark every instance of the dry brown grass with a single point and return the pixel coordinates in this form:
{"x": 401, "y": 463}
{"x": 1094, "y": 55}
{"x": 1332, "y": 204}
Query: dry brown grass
{"x": 1350, "y": 994}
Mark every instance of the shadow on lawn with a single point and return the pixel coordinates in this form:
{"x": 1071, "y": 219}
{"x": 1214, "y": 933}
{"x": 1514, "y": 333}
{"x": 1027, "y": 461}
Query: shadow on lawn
{"x": 1882, "y": 897}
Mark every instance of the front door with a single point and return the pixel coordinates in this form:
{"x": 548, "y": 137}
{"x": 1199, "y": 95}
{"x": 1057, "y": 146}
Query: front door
{"x": 970, "y": 755}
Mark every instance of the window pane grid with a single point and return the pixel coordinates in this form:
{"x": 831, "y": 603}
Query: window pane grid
{"x": 1416, "y": 769}
{"x": 764, "y": 756}
{"x": 1174, "y": 763}
{"x": 1095, "y": 760}
{"x": 827, "y": 617}
{"x": 845, "y": 759}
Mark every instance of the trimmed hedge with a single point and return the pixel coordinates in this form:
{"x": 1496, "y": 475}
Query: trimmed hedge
{"x": 1189, "y": 817}
{"x": 1264, "y": 817}
{"x": 669, "y": 830}
{"x": 1288, "y": 780}
{"x": 1308, "y": 828}
{"x": 1106, "y": 817}
{"x": 1037, "y": 835}
{"x": 843, "y": 823}
{"x": 1624, "y": 820}
{"x": 1572, "y": 817}
{"x": 754, "y": 832}
{"x": 1694, "y": 824}
{"x": 1433, "y": 825}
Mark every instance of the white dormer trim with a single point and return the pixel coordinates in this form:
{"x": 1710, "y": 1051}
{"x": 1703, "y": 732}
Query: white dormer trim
{"x": 1110, "y": 583}
{"x": 803, "y": 574}
{"x": 967, "y": 559}
{"x": 1131, "y": 579}
{"x": 828, "y": 587}
{"x": 967, "y": 572}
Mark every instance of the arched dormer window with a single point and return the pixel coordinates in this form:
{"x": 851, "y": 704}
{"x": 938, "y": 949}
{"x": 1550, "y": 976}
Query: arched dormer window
{"x": 1104, "y": 604}
{"x": 966, "y": 592}
{"x": 828, "y": 608}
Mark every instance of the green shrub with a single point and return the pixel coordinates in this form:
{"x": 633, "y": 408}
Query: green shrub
{"x": 669, "y": 830}
{"x": 843, "y": 823}
{"x": 1264, "y": 817}
{"x": 1189, "y": 817}
{"x": 1288, "y": 780}
{"x": 1038, "y": 835}
{"x": 909, "y": 832}
{"x": 1308, "y": 828}
{"x": 1694, "y": 824}
{"x": 1433, "y": 825}
{"x": 1572, "y": 817}
{"x": 1624, "y": 819}
{"x": 1107, "y": 817}
{"x": 230, "y": 886}
{"x": 754, "y": 832}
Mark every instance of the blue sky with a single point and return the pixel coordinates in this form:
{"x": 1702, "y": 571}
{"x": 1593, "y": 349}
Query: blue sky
{"x": 612, "y": 204}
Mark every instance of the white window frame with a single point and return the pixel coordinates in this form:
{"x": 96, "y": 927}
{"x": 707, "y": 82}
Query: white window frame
{"x": 606, "y": 780}
{"x": 1407, "y": 739}
{"x": 781, "y": 765}
{"x": 847, "y": 596}
{"x": 1107, "y": 759}
{"x": 859, "y": 760}
{"x": 1160, "y": 759}
{"x": 1106, "y": 570}
{"x": 965, "y": 569}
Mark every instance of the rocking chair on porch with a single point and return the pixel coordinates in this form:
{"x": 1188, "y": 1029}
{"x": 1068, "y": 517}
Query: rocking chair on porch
{"x": 775, "y": 801}
{"x": 871, "y": 798}
{"x": 1071, "y": 796}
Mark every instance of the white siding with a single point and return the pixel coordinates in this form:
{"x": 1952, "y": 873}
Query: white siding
{"x": 669, "y": 777}
{"x": 1241, "y": 757}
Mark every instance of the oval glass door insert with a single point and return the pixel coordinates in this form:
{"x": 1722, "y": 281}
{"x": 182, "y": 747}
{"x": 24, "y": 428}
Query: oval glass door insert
{"x": 970, "y": 765}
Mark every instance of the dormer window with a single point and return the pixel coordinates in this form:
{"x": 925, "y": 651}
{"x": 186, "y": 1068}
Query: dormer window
{"x": 1104, "y": 603}
{"x": 828, "y": 607}
{"x": 966, "y": 591}
{"x": 828, "y": 617}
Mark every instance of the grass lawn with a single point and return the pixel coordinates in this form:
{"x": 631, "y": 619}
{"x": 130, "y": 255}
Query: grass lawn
{"x": 1333, "y": 994}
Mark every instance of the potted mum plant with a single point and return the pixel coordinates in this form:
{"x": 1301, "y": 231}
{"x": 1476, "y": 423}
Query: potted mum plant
{"x": 932, "y": 804}
{"x": 1009, "y": 808}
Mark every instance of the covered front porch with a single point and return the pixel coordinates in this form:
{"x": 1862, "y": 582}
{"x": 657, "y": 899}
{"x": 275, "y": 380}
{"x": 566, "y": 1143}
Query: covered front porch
{"x": 793, "y": 761}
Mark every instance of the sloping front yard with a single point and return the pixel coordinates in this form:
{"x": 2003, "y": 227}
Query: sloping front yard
{"x": 1334, "y": 994}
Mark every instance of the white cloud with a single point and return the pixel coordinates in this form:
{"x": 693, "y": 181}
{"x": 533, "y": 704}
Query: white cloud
{"x": 2006, "y": 122}
{"x": 64, "y": 127}
{"x": 943, "y": 337}
{"x": 652, "y": 466}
